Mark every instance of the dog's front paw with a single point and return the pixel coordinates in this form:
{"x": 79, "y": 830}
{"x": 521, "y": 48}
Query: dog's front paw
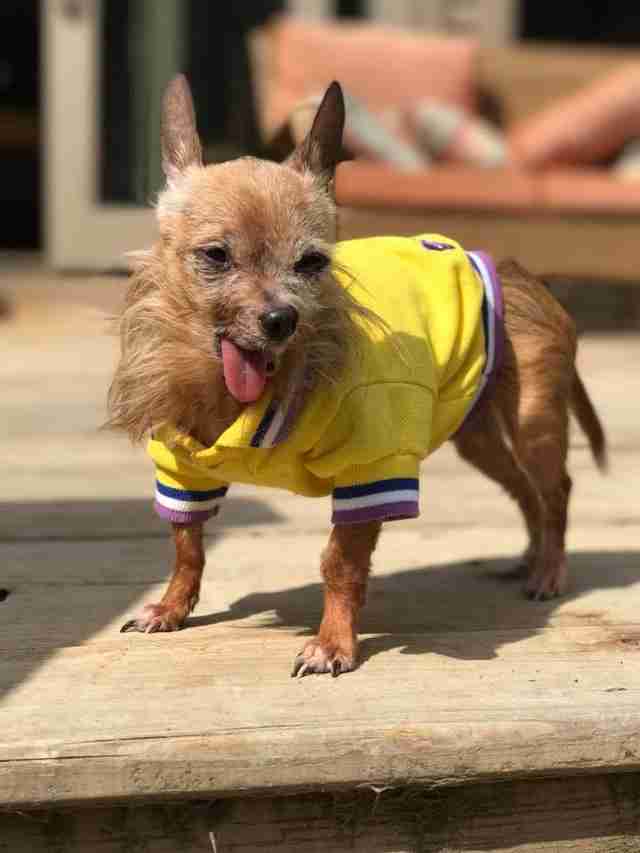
{"x": 318, "y": 657}
{"x": 154, "y": 618}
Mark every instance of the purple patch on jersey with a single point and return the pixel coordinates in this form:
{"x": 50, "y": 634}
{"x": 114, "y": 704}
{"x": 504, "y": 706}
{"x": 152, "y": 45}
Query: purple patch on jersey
{"x": 438, "y": 247}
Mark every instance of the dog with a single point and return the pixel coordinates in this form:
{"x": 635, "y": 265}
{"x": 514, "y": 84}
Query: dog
{"x": 255, "y": 349}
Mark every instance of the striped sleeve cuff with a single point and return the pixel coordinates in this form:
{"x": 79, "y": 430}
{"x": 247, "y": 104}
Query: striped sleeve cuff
{"x": 185, "y": 507}
{"x": 382, "y": 500}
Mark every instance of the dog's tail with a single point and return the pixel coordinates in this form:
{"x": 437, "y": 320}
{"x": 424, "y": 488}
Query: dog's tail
{"x": 587, "y": 417}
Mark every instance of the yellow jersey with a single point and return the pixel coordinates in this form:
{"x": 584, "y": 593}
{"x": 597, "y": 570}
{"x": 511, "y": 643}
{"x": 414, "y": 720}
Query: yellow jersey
{"x": 361, "y": 439}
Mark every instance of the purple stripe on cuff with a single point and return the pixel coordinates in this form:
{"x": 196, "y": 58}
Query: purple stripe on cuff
{"x": 383, "y": 512}
{"x": 178, "y": 517}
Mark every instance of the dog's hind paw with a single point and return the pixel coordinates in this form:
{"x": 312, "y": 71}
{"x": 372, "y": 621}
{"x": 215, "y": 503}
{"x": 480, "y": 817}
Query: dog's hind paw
{"x": 546, "y": 584}
{"x": 317, "y": 658}
{"x": 155, "y": 618}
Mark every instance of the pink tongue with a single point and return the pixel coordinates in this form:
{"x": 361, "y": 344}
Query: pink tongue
{"x": 245, "y": 372}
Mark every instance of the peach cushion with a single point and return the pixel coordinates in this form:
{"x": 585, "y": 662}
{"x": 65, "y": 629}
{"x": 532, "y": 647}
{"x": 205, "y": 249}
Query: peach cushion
{"x": 382, "y": 66}
{"x": 583, "y": 128}
{"x": 361, "y": 184}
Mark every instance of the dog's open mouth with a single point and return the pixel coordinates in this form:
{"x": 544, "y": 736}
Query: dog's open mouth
{"x": 245, "y": 371}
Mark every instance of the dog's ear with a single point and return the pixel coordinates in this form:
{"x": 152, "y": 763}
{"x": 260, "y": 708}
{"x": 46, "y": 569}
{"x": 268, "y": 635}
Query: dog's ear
{"x": 180, "y": 141}
{"x": 320, "y": 151}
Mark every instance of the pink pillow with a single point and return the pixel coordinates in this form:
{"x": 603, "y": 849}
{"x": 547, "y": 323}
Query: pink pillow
{"x": 450, "y": 134}
{"x": 381, "y": 66}
{"x": 583, "y": 128}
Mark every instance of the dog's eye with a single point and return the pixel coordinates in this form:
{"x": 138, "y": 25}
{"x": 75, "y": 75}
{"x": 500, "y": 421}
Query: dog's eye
{"x": 311, "y": 263}
{"x": 217, "y": 255}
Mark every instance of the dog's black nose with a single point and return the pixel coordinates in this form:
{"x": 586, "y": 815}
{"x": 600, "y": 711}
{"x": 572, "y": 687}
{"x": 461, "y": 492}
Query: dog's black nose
{"x": 280, "y": 323}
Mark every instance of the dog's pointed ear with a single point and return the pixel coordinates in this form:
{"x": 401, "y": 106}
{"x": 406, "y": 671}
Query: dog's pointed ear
{"x": 320, "y": 151}
{"x": 180, "y": 141}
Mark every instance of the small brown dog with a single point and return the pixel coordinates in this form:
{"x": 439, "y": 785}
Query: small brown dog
{"x": 241, "y": 302}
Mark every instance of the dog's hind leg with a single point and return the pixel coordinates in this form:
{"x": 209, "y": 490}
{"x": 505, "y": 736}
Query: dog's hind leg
{"x": 482, "y": 443}
{"x": 541, "y": 445}
{"x": 181, "y": 596}
{"x": 533, "y": 395}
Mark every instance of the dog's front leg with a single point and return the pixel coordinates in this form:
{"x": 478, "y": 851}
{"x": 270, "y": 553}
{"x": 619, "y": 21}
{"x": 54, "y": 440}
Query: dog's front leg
{"x": 182, "y": 594}
{"x": 345, "y": 568}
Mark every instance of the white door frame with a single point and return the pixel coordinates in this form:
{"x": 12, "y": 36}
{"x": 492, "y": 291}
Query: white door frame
{"x": 81, "y": 232}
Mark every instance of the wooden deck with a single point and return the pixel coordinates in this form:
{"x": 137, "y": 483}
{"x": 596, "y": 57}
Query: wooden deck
{"x": 113, "y": 742}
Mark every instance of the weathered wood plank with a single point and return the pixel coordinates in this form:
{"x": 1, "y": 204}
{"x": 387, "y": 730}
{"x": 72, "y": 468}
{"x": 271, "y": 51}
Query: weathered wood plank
{"x": 446, "y": 709}
{"x": 581, "y": 815}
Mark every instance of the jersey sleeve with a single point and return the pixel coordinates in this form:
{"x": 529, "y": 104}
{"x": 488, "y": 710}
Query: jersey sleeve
{"x": 384, "y": 490}
{"x": 184, "y": 494}
{"x": 372, "y": 452}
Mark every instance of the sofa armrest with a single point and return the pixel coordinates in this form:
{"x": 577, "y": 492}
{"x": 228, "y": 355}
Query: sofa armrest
{"x": 588, "y": 191}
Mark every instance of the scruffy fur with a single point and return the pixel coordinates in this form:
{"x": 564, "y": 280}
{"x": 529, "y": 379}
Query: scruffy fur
{"x": 169, "y": 372}
{"x": 186, "y": 295}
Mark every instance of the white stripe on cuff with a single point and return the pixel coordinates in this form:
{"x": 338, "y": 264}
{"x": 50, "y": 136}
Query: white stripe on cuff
{"x": 400, "y": 496}
{"x": 186, "y": 506}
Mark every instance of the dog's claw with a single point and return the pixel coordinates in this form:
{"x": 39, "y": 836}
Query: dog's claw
{"x": 543, "y": 591}
{"x": 540, "y": 595}
{"x": 298, "y": 664}
{"x": 301, "y": 668}
{"x": 131, "y": 625}
{"x": 336, "y": 668}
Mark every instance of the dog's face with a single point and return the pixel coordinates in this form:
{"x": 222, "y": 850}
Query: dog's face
{"x": 249, "y": 242}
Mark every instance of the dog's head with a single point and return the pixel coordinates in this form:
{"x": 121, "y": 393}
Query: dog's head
{"x": 239, "y": 292}
{"x": 251, "y": 240}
